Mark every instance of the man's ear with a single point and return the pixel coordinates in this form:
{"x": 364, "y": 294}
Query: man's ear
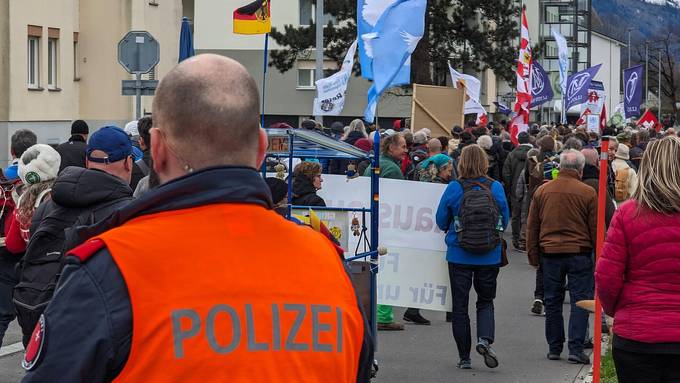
{"x": 262, "y": 148}
{"x": 159, "y": 151}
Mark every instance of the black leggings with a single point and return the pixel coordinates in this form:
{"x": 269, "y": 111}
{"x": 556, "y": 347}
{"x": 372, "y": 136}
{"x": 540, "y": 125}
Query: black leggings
{"x": 632, "y": 367}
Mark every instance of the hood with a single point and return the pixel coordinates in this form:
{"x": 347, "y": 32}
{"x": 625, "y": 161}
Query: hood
{"x": 79, "y": 187}
{"x": 302, "y": 186}
{"x": 591, "y": 172}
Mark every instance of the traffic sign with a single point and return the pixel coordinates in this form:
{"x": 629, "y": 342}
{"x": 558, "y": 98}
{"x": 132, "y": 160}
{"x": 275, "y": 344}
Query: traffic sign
{"x": 146, "y": 87}
{"x": 138, "y": 52}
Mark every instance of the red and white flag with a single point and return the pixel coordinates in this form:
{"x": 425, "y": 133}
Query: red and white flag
{"x": 482, "y": 119}
{"x": 603, "y": 118}
{"x": 649, "y": 121}
{"x": 584, "y": 117}
{"x": 520, "y": 123}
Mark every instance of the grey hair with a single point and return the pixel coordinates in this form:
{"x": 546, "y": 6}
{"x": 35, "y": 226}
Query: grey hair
{"x": 573, "y": 143}
{"x": 485, "y": 142}
{"x": 572, "y": 159}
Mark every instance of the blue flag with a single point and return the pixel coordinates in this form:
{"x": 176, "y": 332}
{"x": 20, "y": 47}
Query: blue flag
{"x": 368, "y": 15}
{"x": 504, "y": 109}
{"x": 578, "y": 85}
{"x": 541, "y": 90}
{"x": 397, "y": 34}
{"x": 632, "y": 96}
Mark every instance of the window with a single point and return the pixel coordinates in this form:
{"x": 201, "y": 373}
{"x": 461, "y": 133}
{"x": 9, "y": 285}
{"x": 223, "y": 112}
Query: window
{"x": 306, "y": 78}
{"x": 52, "y": 62}
{"x": 34, "y": 62}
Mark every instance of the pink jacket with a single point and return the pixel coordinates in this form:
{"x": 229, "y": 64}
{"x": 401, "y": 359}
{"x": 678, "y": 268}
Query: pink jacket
{"x": 638, "y": 275}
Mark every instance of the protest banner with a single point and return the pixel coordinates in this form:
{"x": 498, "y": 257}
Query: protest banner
{"x": 414, "y": 273}
{"x": 437, "y": 108}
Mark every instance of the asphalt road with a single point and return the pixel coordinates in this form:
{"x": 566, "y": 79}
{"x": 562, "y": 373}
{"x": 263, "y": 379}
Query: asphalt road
{"x": 426, "y": 354}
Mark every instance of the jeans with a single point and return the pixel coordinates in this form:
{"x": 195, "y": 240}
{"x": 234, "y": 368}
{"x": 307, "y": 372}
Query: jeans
{"x": 518, "y": 235}
{"x": 8, "y": 279}
{"x": 462, "y": 278}
{"x": 578, "y": 271}
{"x": 538, "y": 291}
{"x": 632, "y": 367}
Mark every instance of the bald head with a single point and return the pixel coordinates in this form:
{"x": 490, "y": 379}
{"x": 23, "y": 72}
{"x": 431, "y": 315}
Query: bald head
{"x": 207, "y": 108}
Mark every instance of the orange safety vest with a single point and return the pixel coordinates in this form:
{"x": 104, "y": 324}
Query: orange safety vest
{"x": 235, "y": 293}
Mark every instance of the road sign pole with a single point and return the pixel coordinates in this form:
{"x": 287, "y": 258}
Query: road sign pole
{"x": 138, "y": 95}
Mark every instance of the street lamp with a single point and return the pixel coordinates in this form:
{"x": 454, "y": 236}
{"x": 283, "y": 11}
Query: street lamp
{"x": 629, "y": 30}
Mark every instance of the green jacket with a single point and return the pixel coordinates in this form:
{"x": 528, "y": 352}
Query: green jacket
{"x": 389, "y": 168}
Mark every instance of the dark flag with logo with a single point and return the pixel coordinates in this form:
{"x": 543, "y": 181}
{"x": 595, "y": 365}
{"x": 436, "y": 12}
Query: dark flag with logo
{"x": 578, "y": 85}
{"x": 541, "y": 90}
{"x": 502, "y": 108}
{"x": 253, "y": 19}
{"x": 632, "y": 96}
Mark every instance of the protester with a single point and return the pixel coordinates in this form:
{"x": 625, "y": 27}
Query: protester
{"x": 513, "y": 167}
{"x": 149, "y": 181}
{"x": 591, "y": 177}
{"x": 21, "y": 140}
{"x": 72, "y": 152}
{"x": 437, "y": 169}
{"x": 470, "y": 209}
{"x": 625, "y": 177}
{"x": 357, "y": 131}
{"x": 279, "y": 190}
{"x": 636, "y": 276}
{"x": 641, "y": 140}
{"x": 218, "y": 252}
{"x": 306, "y": 182}
{"x": 444, "y": 141}
{"x": 140, "y": 166}
{"x": 434, "y": 147}
{"x": 80, "y": 197}
{"x": 561, "y": 236}
{"x": 494, "y": 171}
{"x": 392, "y": 151}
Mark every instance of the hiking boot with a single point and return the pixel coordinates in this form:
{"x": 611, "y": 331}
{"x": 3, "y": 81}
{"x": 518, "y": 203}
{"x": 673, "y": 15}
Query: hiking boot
{"x": 394, "y": 326}
{"x": 588, "y": 344}
{"x": 416, "y": 318}
{"x": 464, "y": 364}
{"x": 553, "y": 356}
{"x": 537, "y": 307}
{"x": 485, "y": 350}
{"x": 579, "y": 359}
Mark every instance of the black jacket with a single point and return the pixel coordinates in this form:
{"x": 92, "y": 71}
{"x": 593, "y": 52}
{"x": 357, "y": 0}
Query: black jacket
{"x": 137, "y": 172}
{"x": 88, "y": 338}
{"x": 591, "y": 177}
{"x": 514, "y": 165}
{"x": 72, "y": 152}
{"x": 304, "y": 193}
{"x": 353, "y": 137}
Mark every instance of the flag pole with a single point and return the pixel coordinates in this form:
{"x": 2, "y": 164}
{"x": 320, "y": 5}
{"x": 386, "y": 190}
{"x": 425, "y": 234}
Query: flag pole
{"x": 264, "y": 76}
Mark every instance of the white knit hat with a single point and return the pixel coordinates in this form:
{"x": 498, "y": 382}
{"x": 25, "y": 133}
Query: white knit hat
{"x": 39, "y": 163}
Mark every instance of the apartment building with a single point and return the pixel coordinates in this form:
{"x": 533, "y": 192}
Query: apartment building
{"x": 58, "y": 62}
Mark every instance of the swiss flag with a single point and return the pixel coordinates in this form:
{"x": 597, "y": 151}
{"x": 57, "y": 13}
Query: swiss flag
{"x": 584, "y": 117}
{"x": 649, "y": 121}
{"x": 482, "y": 119}
{"x": 603, "y": 118}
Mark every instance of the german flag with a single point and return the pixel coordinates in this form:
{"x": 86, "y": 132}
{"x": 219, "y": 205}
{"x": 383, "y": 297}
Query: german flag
{"x": 253, "y": 19}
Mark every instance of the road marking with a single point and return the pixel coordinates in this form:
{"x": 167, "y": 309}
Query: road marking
{"x": 11, "y": 349}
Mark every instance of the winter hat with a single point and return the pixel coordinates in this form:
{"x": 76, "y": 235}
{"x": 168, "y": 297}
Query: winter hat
{"x": 390, "y": 132}
{"x": 131, "y": 129}
{"x": 338, "y": 127}
{"x": 39, "y": 163}
{"x": 396, "y": 125}
{"x": 79, "y": 127}
{"x": 622, "y": 152}
{"x": 438, "y": 160}
{"x": 308, "y": 124}
{"x": 546, "y": 144}
{"x": 363, "y": 144}
{"x": 278, "y": 188}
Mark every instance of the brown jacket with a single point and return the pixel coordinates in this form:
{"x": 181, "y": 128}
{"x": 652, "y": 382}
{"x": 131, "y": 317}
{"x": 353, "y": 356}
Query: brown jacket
{"x": 562, "y": 218}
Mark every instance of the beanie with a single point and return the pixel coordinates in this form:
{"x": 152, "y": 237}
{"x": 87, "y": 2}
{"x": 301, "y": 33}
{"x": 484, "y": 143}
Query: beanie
{"x": 79, "y": 127}
{"x": 523, "y": 138}
{"x": 39, "y": 163}
{"x": 546, "y": 144}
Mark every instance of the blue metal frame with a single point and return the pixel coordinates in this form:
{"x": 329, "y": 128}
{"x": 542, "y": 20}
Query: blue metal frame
{"x": 308, "y": 144}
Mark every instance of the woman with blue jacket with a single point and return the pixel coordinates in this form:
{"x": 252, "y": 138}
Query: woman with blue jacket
{"x": 472, "y": 263}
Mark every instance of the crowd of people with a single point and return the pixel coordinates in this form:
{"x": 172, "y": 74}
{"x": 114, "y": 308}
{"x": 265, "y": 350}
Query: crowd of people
{"x": 104, "y": 198}
{"x": 545, "y": 187}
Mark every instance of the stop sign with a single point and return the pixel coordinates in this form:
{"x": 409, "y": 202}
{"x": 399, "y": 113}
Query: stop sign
{"x": 138, "y": 52}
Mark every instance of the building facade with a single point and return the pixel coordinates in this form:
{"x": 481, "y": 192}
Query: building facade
{"x": 58, "y": 62}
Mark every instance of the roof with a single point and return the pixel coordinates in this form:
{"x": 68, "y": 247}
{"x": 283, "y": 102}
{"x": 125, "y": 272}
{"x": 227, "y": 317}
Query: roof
{"x": 608, "y": 37}
{"x": 307, "y": 143}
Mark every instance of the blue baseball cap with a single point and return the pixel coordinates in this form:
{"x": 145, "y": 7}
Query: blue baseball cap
{"x": 111, "y": 140}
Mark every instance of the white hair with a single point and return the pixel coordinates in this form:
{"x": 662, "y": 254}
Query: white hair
{"x": 485, "y": 142}
{"x": 572, "y": 159}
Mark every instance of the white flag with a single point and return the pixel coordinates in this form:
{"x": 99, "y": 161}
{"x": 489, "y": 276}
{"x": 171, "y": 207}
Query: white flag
{"x": 330, "y": 91}
{"x": 472, "y": 90}
{"x": 563, "y": 54}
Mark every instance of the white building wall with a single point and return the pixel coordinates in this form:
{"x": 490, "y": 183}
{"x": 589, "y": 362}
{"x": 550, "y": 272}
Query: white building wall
{"x": 608, "y": 53}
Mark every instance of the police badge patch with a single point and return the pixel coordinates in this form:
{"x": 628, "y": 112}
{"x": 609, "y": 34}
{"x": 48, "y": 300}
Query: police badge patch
{"x": 35, "y": 345}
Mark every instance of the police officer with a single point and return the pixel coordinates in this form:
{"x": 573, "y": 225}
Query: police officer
{"x": 200, "y": 280}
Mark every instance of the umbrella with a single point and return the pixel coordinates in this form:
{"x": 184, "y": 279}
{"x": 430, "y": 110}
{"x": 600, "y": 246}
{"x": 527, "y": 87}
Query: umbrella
{"x": 186, "y": 42}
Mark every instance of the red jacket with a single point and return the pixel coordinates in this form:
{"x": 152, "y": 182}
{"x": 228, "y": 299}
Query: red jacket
{"x": 637, "y": 276}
